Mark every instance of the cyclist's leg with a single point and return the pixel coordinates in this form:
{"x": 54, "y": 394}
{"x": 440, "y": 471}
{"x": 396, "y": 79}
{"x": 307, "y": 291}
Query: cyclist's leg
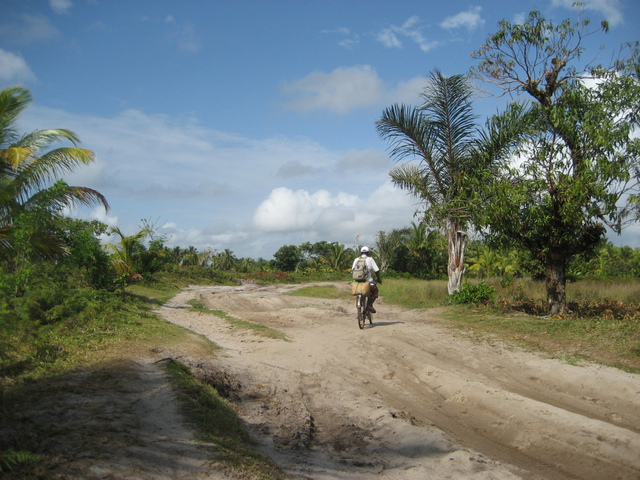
{"x": 373, "y": 294}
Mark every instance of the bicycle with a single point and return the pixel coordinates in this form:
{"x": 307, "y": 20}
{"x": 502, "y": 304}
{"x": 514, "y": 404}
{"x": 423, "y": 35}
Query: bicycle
{"x": 364, "y": 313}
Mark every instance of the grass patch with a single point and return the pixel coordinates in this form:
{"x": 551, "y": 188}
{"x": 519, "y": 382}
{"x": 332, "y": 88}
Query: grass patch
{"x": 157, "y": 292}
{"x": 199, "y": 306}
{"x": 604, "y": 328}
{"x": 216, "y": 422}
{"x": 414, "y": 293}
{"x": 610, "y": 341}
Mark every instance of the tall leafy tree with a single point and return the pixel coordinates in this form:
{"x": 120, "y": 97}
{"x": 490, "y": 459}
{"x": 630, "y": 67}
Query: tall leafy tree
{"x": 577, "y": 169}
{"x": 30, "y": 185}
{"x": 442, "y": 147}
{"x": 288, "y": 258}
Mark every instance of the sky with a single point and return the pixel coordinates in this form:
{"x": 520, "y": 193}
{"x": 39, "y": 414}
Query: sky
{"x": 250, "y": 125}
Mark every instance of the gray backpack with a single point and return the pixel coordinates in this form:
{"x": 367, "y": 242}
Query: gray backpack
{"x": 360, "y": 270}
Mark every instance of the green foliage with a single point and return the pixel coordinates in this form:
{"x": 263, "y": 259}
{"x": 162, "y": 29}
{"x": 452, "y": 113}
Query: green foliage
{"x": 31, "y": 192}
{"x": 477, "y": 294}
{"x": 577, "y": 171}
{"x": 11, "y": 458}
{"x": 413, "y": 251}
{"x": 288, "y": 258}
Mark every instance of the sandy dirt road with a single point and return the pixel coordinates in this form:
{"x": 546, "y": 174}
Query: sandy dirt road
{"x": 408, "y": 398}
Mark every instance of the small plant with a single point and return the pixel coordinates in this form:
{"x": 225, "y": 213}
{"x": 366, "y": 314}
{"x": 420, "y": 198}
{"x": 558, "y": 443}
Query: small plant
{"x": 11, "y": 458}
{"x": 480, "y": 293}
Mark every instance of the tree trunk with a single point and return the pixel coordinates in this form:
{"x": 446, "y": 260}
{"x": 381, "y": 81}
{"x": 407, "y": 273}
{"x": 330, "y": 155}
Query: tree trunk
{"x": 556, "y": 282}
{"x": 457, "y": 240}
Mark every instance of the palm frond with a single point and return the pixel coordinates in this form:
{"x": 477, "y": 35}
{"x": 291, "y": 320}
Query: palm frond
{"x": 60, "y": 195}
{"x": 13, "y": 100}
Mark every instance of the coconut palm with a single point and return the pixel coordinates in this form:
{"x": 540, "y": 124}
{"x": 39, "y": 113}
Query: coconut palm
{"x": 225, "y": 260}
{"x": 338, "y": 257}
{"x": 442, "y": 148}
{"x": 124, "y": 252}
{"x": 30, "y": 177}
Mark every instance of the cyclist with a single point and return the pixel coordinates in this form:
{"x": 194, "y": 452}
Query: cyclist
{"x": 372, "y": 269}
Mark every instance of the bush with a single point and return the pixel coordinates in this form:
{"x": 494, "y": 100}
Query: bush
{"x": 480, "y": 293}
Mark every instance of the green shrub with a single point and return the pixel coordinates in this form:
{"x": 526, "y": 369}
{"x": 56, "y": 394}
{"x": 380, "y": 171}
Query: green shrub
{"x": 480, "y": 293}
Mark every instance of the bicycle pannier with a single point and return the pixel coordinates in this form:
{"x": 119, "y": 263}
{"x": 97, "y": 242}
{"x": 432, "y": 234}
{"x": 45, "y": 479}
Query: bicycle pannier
{"x": 360, "y": 288}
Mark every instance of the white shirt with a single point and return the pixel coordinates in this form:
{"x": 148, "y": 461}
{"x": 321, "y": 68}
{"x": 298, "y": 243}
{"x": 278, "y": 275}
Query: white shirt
{"x": 370, "y": 263}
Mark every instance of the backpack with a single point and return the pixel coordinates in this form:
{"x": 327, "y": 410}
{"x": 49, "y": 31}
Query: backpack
{"x": 360, "y": 271}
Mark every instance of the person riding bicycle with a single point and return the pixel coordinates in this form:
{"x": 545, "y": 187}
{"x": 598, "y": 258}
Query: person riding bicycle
{"x": 372, "y": 269}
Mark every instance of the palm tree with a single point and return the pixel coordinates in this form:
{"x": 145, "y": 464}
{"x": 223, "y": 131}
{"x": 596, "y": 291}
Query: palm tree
{"x": 225, "y": 260}
{"x": 29, "y": 177}
{"x": 124, "y": 252}
{"x": 486, "y": 263}
{"x": 386, "y": 245}
{"x": 337, "y": 256}
{"x": 441, "y": 136}
{"x": 445, "y": 153}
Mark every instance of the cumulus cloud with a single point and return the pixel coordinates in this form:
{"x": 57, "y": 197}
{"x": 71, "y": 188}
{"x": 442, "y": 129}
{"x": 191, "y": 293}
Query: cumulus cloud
{"x": 286, "y": 210}
{"x": 393, "y": 35}
{"x": 14, "y": 68}
{"x": 609, "y": 9}
{"x": 333, "y": 217}
{"x": 338, "y": 92}
{"x": 469, "y": 19}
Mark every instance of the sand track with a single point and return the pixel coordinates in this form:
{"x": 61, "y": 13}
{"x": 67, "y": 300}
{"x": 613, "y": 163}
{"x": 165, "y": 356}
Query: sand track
{"x": 410, "y": 399}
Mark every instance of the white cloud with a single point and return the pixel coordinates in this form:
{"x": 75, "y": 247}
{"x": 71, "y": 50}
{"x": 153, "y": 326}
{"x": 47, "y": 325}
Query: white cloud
{"x": 14, "y": 68}
{"x": 391, "y": 36}
{"x": 409, "y": 91}
{"x": 340, "y": 91}
{"x": 470, "y": 20}
{"x": 286, "y": 210}
{"x": 519, "y": 18}
{"x": 61, "y": 6}
{"x": 389, "y": 39}
{"x": 609, "y": 9}
{"x": 347, "y": 89}
{"x": 99, "y": 213}
{"x": 333, "y": 217}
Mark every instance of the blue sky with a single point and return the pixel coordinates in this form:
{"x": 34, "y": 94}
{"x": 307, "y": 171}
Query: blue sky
{"x": 250, "y": 125}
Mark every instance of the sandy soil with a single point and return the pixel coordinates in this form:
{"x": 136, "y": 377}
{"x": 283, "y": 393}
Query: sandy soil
{"x": 407, "y": 398}
{"x": 404, "y": 399}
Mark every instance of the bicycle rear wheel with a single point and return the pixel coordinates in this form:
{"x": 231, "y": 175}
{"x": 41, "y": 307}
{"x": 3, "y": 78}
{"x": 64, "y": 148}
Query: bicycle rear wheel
{"x": 361, "y": 307}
